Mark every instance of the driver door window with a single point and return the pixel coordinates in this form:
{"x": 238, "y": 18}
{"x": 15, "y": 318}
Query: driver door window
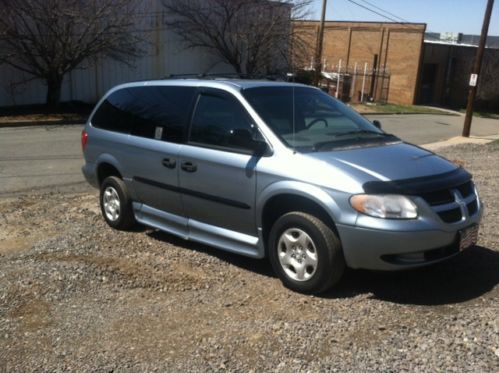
{"x": 221, "y": 122}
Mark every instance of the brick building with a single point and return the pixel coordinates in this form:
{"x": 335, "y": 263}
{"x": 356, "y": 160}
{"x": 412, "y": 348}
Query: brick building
{"x": 392, "y": 51}
{"x": 446, "y": 72}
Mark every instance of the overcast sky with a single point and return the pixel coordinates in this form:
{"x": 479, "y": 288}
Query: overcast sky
{"x": 464, "y": 16}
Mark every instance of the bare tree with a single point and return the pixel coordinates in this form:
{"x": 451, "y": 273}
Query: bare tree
{"x": 253, "y": 36}
{"x": 49, "y": 38}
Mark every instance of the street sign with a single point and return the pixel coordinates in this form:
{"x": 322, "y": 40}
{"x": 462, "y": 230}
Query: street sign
{"x": 473, "y": 79}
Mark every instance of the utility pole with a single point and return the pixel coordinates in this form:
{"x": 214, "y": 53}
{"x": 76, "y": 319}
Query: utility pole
{"x": 318, "y": 49}
{"x": 476, "y": 69}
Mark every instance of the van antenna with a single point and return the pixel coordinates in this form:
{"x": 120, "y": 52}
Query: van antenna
{"x": 294, "y": 143}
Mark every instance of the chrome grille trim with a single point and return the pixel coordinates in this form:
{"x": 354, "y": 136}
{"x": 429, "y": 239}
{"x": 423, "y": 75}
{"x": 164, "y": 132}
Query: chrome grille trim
{"x": 466, "y": 204}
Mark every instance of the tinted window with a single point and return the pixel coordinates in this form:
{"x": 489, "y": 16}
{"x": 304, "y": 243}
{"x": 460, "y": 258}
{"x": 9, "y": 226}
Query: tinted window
{"x": 155, "y": 112}
{"x": 161, "y": 113}
{"x": 307, "y": 119}
{"x": 221, "y": 121}
{"x": 112, "y": 114}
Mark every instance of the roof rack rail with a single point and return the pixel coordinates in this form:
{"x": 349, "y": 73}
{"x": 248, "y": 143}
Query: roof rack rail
{"x": 214, "y": 76}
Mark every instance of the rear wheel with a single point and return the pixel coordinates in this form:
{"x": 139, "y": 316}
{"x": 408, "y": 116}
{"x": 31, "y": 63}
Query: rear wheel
{"x": 116, "y": 204}
{"x": 305, "y": 253}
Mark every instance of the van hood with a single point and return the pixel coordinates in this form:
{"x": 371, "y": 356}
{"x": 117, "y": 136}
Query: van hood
{"x": 387, "y": 162}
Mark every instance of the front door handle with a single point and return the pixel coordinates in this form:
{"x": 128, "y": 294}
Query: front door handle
{"x": 169, "y": 163}
{"x": 189, "y": 166}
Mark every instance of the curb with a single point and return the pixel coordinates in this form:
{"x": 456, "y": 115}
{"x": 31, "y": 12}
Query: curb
{"x": 459, "y": 140}
{"x": 412, "y": 113}
{"x": 449, "y": 111}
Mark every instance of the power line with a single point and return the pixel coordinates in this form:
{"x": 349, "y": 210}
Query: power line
{"x": 400, "y": 19}
{"x": 374, "y": 11}
{"x": 385, "y": 11}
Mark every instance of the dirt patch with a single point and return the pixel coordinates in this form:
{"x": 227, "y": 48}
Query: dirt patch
{"x": 66, "y": 112}
{"x": 33, "y": 315}
{"x": 156, "y": 274}
{"x": 15, "y": 245}
{"x": 47, "y": 118}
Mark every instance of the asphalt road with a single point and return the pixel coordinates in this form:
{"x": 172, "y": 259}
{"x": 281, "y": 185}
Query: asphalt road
{"x": 50, "y": 157}
{"x": 40, "y": 158}
{"x": 424, "y": 129}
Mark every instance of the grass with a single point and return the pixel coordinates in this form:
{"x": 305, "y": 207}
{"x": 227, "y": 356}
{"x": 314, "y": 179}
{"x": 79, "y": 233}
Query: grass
{"x": 398, "y": 109}
{"x": 483, "y": 114}
{"x": 494, "y": 144}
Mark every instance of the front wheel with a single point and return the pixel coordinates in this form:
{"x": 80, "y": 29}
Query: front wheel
{"x": 305, "y": 253}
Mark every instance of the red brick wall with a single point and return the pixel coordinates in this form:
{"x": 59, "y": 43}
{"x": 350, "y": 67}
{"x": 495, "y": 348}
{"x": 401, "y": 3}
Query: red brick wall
{"x": 398, "y": 46}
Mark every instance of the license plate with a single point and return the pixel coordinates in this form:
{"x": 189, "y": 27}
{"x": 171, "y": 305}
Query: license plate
{"x": 468, "y": 237}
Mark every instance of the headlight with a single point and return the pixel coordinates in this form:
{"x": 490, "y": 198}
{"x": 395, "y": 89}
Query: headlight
{"x": 385, "y": 206}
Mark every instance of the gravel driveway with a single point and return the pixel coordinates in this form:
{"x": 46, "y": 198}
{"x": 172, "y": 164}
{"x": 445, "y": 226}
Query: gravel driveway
{"x": 76, "y": 295}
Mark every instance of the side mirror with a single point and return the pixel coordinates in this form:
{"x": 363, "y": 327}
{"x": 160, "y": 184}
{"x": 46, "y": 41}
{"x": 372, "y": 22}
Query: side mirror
{"x": 243, "y": 138}
{"x": 377, "y": 123}
{"x": 261, "y": 148}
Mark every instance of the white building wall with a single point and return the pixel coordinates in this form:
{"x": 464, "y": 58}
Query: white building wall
{"x": 165, "y": 55}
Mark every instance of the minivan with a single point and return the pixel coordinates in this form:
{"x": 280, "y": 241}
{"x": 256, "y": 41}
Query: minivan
{"x": 278, "y": 170}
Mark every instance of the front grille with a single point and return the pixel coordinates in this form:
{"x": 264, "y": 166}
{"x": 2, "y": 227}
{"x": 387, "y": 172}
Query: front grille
{"x": 450, "y": 216}
{"x": 445, "y": 202}
{"x": 442, "y": 252}
{"x": 423, "y": 256}
{"x": 472, "y": 207}
{"x": 439, "y": 197}
{"x": 465, "y": 189}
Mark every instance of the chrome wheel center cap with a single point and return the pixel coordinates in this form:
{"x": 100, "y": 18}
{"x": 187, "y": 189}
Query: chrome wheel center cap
{"x": 297, "y": 254}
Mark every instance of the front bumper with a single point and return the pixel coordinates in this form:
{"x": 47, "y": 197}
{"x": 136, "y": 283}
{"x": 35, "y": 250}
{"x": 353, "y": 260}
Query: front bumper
{"x": 368, "y": 248}
{"x": 390, "y": 250}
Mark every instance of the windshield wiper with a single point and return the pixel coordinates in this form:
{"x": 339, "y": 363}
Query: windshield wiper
{"x": 322, "y": 144}
{"x": 362, "y": 132}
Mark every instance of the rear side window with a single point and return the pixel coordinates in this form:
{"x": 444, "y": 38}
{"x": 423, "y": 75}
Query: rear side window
{"x": 155, "y": 112}
{"x": 112, "y": 114}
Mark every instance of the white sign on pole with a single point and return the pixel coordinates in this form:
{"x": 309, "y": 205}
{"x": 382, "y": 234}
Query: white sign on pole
{"x": 473, "y": 79}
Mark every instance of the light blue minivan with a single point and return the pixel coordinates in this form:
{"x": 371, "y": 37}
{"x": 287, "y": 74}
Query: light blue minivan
{"x": 277, "y": 170}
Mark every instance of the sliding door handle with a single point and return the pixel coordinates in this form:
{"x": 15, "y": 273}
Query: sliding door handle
{"x": 189, "y": 166}
{"x": 169, "y": 163}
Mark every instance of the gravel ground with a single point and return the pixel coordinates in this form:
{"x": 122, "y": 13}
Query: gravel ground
{"x": 76, "y": 295}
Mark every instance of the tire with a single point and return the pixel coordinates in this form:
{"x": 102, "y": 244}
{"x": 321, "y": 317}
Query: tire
{"x": 305, "y": 253}
{"x": 116, "y": 204}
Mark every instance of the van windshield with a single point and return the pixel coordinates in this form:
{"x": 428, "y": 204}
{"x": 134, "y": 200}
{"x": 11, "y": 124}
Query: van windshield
{"x": 307, "y": 119}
